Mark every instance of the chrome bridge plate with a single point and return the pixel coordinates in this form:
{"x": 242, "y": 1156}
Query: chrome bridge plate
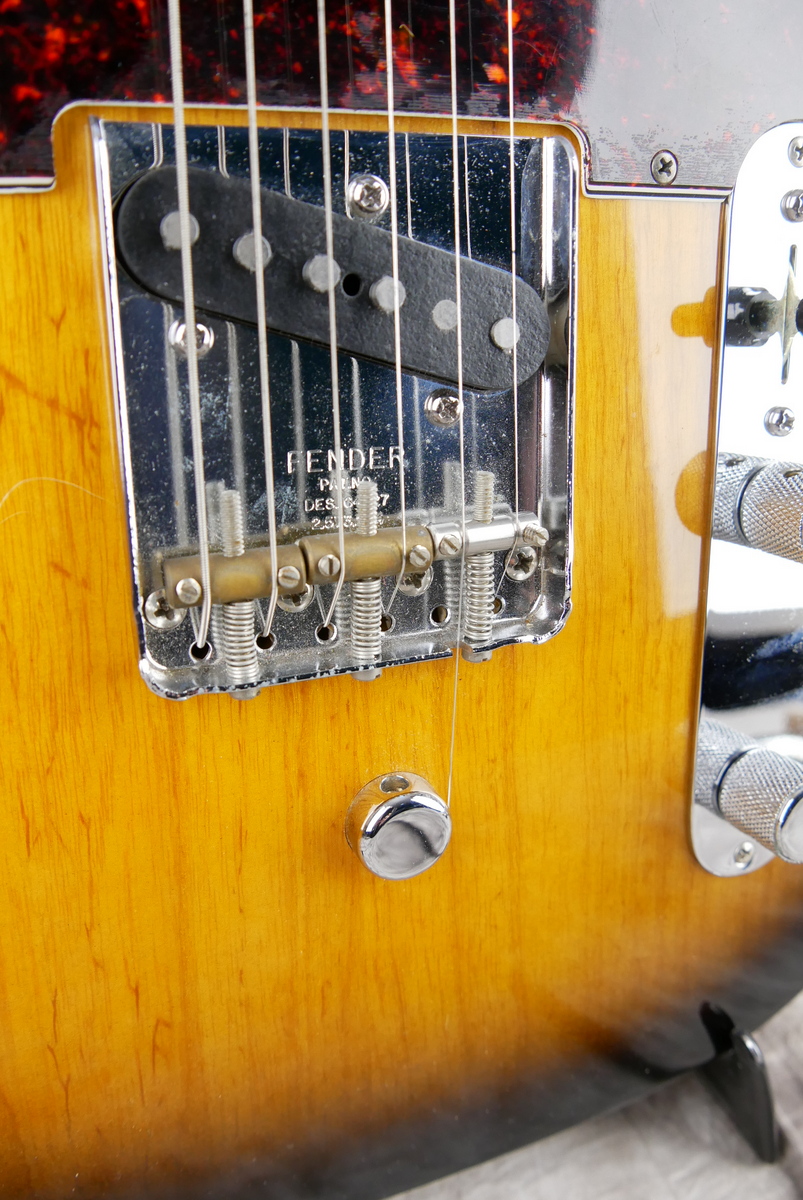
{"x": 524, "y": 439}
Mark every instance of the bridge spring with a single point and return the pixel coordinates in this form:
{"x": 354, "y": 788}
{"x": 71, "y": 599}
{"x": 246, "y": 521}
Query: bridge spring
{"x": 366, "y": 594}
{"x": 239, "y": 649}
{"x": 479, "y": 588}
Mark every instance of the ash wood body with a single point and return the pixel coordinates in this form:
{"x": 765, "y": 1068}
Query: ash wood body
{"x": 195, "y": 971}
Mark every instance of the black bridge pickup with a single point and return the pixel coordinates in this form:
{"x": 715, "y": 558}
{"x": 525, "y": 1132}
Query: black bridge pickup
{"x": 295, "y": 233}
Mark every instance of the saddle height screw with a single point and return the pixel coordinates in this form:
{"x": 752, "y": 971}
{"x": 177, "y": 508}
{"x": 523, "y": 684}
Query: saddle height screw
{"x": 188, "y": 591}
{"x": 664, "y": 167}
{"x": 480, "y": 576}
{"x": 366, "y": 594}
{"x": 329, "y": 565}
{"x": 534, "y": 535}
{"x": 239, "y": 648}
{"x": 419, "y": 557}
{"x": 288, "y": 576}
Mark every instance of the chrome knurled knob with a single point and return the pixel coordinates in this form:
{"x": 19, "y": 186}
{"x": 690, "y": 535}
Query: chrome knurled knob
{"x": 754, "y": 789}
{"x": 759, "y": 503}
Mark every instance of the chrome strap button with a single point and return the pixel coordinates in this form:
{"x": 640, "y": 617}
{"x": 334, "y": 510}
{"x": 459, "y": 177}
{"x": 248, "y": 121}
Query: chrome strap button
{"x": 398, "y": 826}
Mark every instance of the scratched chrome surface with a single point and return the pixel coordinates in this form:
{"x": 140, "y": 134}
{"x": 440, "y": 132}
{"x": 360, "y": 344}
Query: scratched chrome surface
{"x": 154, "y": 415}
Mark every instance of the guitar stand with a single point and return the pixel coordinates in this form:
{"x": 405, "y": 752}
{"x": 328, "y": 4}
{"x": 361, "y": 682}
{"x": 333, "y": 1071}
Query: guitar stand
{"x": 738, "y": 1078}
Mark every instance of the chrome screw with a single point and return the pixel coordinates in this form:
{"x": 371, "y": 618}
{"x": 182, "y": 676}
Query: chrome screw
{"x": 450, "y": 545}
{"x": 792, "y": 206}
{"x": 288, "y": 577}
{"x": 367, "y": 196}
{"x": 413, "y": 584}
{"x": 744, "y": 855}
{"x": 795, "y": 152}
{"x": 188, "y": 591}
{"x": 419, "y": 557}
{"x": 534, "y": 535}
{"x": 204, "y": 338}
{"x": 329, "y": 565}
{"x": 443, "y": 408}
{"x": 779, "y": 421}
{"x": 160, "y": 615}
{"x": 521, "y": 564}
{"x": 664, "y": 167}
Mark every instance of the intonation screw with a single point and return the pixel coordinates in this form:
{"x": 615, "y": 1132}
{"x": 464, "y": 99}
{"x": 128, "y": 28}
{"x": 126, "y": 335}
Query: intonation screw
{"x": 480, "y": 576}
{"x": 329, "y": 565}
{"x": 367, "y": 197}
{"x": 779, "y": 421}
{"x": 796, "y": 152}
{"x": 664, "y": 167}
{"x": 238, "y": 617}
{"x": 188, "y": 591}
{"x": 366, "y": 594}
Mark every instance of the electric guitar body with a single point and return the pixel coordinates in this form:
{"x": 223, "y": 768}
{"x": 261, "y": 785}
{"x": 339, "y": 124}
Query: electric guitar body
{"x": 203, "y": 990}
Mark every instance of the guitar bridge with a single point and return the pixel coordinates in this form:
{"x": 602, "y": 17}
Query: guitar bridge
{"x": 440, "y": 516}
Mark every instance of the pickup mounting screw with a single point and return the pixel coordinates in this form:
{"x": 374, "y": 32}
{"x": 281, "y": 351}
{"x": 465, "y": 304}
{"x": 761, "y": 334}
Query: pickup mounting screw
{"x": 664, "y": 167}
{"x": 796, "y": 152}
{"x": 188, "y": 591}
{"x": 244, "y": 251}
{"x": 450, "y": 545}
{"x": 160, "y": 615}
{"x": 419, "y": 557}
{"x": 779, "y": 421}
{"x": 288, "y": 576}
{"x": 443, "y": 408}
{"x": 367, "y": 197}
{"x": 329, "y": 565}
{"x": 170, "y": 231}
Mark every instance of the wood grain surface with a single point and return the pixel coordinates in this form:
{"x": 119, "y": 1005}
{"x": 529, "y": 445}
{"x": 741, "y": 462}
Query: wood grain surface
{"x": 196, "y": 973}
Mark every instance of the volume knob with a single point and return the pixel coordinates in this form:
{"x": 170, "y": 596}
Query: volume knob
{"x": 754, "y": 789}
{"x": 759, "y": 503}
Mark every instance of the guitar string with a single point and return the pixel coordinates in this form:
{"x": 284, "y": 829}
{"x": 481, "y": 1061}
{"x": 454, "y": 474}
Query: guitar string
{"x": 188, "y": 288}
{"x": 299, "y": 432}
{"x": 394, "y": 258}
{"x": 262, "y": 329}
{"x": 323, "y": 69}
{"x": 419, "y": 457}
{"x": 461, "y": 425}
{"x": 513, "y": 254}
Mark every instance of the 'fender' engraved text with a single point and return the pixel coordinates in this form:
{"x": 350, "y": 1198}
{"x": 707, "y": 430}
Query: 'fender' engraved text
{"x": 374, "y": 458}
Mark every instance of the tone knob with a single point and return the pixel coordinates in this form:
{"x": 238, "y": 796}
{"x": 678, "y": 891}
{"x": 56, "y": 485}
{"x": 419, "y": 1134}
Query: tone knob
{"x": 398, "y": 826}
{"x": 759, "y": 503}
{"x": 754, "y": 789}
